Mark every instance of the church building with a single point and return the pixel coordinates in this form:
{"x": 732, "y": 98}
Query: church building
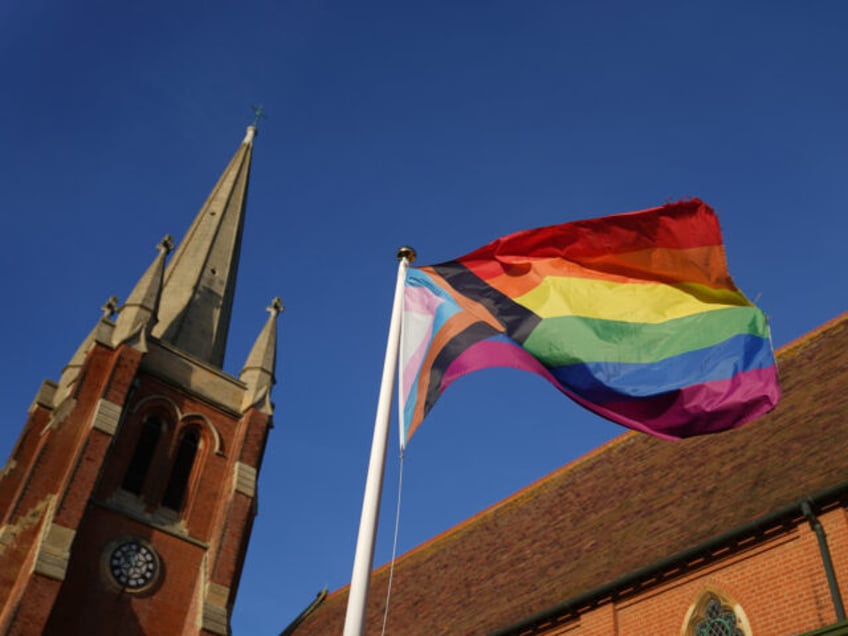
{"x": 741, "y": 533}
{"x": 127, "y": 503}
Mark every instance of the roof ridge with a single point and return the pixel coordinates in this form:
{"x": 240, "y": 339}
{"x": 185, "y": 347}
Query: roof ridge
{"x": 458, "y": 529}
{"x": 500, "y": 548}
{"x": 790, "y": 347}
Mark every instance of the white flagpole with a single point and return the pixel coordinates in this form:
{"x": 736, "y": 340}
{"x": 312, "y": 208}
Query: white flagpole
{"x": 364, "y": 557}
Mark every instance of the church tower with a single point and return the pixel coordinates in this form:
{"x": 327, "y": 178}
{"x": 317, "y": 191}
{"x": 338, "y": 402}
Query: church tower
{"x": 127, "y": 503}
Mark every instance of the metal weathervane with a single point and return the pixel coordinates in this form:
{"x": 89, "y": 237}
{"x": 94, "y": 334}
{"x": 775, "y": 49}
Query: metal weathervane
{"x": 258, "y": 114}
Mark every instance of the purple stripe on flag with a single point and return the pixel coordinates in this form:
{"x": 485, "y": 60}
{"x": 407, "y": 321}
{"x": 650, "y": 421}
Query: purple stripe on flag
{"x": 696, "y": 410}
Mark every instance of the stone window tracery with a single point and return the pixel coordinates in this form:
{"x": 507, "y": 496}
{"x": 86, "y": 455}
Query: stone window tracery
{"x": 714, "y": 616}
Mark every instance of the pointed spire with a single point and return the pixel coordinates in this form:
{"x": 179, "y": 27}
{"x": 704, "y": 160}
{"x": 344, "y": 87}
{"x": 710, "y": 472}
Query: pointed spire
{"x": 258, "y": 372}
{"x": 199, "y": 284}
{"x": 139, "y": 313}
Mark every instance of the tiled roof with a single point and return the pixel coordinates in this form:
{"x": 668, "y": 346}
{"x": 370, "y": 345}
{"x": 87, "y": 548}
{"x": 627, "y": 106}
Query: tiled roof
{"x": 627, "y": 505}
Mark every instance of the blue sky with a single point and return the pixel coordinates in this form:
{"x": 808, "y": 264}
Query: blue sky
{"x": 438, "y": 124}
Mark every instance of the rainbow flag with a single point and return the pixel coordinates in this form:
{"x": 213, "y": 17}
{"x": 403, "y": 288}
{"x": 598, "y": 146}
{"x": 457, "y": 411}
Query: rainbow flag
{"x": 634, "y": 316}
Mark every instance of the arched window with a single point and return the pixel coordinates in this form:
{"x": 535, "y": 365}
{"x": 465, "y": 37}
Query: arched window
{"x": 175, "y": 492}
{"x": 713, "y": 616}
{"x": 145, "y": 447}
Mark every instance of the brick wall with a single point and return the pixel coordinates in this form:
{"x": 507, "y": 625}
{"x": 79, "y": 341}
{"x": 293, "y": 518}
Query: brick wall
{"x": 69, "y": 473}
{"x": 779, "y": 584}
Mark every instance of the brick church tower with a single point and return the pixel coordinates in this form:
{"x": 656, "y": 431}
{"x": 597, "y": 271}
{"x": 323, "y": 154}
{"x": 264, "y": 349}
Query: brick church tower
{"x": 127, "y": 503}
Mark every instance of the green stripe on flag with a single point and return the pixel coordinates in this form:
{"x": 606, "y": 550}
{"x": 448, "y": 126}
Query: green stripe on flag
{"x": 568, "y": 340}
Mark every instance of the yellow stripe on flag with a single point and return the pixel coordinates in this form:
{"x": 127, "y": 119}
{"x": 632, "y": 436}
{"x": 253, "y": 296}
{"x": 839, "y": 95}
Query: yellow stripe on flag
{"x": 647, "y": 303}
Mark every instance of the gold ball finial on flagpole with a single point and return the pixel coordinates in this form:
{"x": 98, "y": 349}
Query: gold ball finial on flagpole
{"x": 406, "y": 252}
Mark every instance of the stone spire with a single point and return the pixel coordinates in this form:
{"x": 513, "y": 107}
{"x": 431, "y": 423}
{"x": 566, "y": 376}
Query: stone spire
{"x": 199, "y": 283}
{"x": 258, "y": 372}
{"x": 139, "y": 314}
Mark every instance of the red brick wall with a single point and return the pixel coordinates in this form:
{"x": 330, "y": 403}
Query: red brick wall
{"x": 89, "y": 603}
{"x": 780, "y": 585}
{"x": 84, "y": 468}
{"x": 63, "y": 465}
{"x": 29, "y": 616}
{"x": 18, "y": 556}
{"x": 26, "y": 449}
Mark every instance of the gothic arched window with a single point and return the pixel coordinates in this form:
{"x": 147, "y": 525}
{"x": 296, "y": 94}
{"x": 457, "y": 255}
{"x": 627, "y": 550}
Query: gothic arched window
{"x": 713, "y": 616}
{"x": 145, "y": 447}
{"x": 175, "y": 491}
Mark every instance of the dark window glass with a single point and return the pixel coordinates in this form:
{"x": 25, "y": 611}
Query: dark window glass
{"x": 151, "y": 430}
{"x": 186, "y": 451}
